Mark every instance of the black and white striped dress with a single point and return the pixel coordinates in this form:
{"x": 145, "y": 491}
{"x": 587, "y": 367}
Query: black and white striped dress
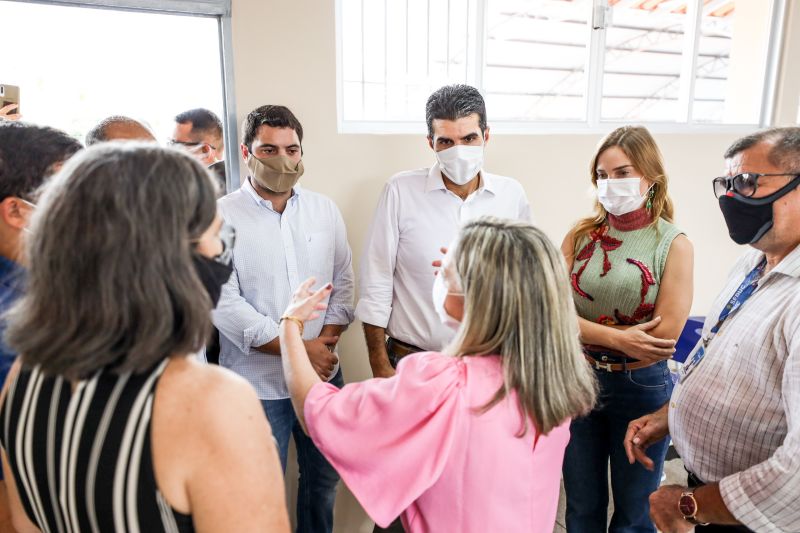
{"x": 82, "y": 460}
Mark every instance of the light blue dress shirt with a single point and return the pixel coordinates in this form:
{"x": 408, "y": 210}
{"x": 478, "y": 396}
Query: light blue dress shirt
{"x": 274, "y": 253}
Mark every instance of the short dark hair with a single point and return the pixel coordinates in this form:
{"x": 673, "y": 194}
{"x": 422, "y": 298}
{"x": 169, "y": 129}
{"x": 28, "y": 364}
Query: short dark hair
{"x": 785, "y": 151}
{"x": 453, "y": 102}
{"x": 27, "y": 155}
{"x": 203, "y": 121}
{"x": 111, "y": 283}
{"x": 274, "y": 116}
{"x": 99, "y": 133}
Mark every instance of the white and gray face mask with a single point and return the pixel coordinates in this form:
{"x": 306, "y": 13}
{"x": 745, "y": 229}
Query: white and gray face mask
{"x": 461, "y": 163}
{"x": 620, "y": 196}
{"x": 440, "y": 292}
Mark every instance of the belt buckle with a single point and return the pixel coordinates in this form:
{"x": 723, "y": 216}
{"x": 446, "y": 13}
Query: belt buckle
{"x": 602, "y": 366}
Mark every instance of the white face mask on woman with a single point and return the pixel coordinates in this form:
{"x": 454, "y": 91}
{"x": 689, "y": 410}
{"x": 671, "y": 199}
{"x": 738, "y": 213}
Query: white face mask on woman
{"x": 440, "y": 293}
{"x": 620, "y": 196}
{"x": 461, "y": 163}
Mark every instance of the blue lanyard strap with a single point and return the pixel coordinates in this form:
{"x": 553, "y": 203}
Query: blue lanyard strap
{"x": 745, "y": 291}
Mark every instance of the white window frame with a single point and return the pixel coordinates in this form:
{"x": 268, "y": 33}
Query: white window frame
{"x": 219, "y": 9}
{"x": 596, "y": 50}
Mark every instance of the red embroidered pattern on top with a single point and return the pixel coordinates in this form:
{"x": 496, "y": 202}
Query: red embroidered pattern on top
{"x": 608, "y": 244}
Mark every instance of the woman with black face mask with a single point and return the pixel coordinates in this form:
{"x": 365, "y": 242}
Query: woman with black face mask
{"x": 213, "y": 258}
{"x": 106, "y": 423}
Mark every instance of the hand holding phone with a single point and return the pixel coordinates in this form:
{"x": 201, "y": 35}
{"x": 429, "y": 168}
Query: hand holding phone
{"x": 9, "y": 102}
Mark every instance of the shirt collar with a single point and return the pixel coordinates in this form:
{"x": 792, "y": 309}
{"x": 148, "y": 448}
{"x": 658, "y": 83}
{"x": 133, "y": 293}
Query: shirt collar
{"x": 790, "y": 265}
{"x": 435, "y": 181}
{"x": 248, "y": 187}
{"x": 10, "y": 270}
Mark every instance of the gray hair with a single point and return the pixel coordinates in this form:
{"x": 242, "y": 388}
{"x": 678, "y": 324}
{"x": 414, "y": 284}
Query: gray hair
{"x": 785, "y": 150}
{"x": 517, "y": 303}
{"x": 99, "y": 133}
{"x": 112, "y": 283}
{"x": 453, "y": 102}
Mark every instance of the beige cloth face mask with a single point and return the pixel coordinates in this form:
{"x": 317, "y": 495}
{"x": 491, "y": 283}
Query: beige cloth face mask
{"x": 277, "y": 174}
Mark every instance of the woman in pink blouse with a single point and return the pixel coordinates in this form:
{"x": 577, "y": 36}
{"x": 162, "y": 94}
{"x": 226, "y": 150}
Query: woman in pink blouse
{"x": 471, "y": 439}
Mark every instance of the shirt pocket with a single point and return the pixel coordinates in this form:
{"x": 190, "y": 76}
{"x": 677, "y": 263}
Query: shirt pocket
{"x": 321, "y": 254}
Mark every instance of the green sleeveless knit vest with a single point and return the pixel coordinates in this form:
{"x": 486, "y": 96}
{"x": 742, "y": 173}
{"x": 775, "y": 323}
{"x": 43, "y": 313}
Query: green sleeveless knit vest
{"x": 618, "y": 267}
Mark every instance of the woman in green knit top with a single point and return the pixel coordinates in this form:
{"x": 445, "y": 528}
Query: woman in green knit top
{"x": 631, "y": 275}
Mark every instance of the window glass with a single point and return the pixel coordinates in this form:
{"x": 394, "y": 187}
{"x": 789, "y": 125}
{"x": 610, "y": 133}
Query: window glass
{"x": 76, "y": 66}
{"x": 567, "y": 61}
{"x": 732, "y": 55}
{"x": 536, "y": 57}
{"x": 643, "y": 60}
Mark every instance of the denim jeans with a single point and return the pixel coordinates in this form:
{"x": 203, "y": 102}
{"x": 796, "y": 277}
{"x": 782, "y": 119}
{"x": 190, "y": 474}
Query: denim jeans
{"x": 316, "y": 492}
{"x": 598, "y": 438}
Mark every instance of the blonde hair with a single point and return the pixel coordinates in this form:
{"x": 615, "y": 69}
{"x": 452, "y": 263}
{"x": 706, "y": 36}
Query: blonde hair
{"x": 517, "y": 303}
{"x": 642, "y": 150}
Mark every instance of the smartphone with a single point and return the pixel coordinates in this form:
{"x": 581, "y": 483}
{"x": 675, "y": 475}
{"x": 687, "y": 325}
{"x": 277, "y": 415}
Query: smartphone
{"x": 9, "y": 94}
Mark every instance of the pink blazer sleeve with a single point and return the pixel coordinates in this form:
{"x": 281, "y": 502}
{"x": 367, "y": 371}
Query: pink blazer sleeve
{"x": 390, "y": 439}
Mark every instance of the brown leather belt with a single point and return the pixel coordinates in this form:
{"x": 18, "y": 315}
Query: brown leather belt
{"x": 400, "y": 348}
{"x": 616, "y": 367}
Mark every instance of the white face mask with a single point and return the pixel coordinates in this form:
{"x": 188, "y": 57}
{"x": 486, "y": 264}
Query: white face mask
{"x": 461, "y": 163}
{"x": 620, "y": 196}
{"x": 440, "y": 293}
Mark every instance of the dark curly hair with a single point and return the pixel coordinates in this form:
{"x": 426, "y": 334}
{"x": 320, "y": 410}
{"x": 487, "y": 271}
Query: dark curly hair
{"x": 28, "y": 154}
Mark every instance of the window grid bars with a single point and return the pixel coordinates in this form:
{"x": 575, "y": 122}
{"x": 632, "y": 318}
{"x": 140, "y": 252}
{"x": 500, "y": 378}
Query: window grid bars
{"x": 595, "y": 65}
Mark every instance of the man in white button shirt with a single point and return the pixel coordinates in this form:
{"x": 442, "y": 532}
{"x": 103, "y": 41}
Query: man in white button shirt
{"x": 419, "y": 212}
{"x": 284, "y": 235}
{"x": 735, "y": 414}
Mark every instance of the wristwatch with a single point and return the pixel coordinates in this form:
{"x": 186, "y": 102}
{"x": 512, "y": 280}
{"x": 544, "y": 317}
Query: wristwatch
{"x": 687, "y": 505}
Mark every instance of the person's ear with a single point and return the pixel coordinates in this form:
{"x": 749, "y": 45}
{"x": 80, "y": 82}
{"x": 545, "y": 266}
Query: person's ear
{"x": 430, "y": 142}
{"x": 486, "y": 136}
{"x": 245, "y": 152}
{"x": 14, "y": 213}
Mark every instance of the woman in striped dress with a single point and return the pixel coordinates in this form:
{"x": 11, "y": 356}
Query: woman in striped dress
{"x": 105, "y": 423}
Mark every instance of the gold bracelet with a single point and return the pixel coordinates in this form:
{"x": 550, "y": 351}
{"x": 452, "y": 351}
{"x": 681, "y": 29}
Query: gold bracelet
{"x": 295, "y": 320}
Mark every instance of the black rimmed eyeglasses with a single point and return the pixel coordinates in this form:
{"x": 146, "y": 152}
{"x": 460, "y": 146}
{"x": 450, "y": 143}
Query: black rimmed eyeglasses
{"x": 189, "y": 144}
{"x": 745, "y": 184}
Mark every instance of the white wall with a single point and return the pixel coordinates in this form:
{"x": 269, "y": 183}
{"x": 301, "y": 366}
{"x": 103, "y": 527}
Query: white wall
{"x": 284, "y": 53}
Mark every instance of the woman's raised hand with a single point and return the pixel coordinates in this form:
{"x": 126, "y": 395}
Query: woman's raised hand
{"x": 305, "y": 302}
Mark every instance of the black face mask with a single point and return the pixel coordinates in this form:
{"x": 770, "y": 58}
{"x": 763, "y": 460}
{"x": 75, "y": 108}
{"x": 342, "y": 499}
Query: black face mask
{"x": 213, "y": 274}
{"x": 748, "y": 219}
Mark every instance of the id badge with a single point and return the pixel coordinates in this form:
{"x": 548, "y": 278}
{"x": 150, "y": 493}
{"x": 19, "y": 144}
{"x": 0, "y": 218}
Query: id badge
{"x": 693, "y": 359}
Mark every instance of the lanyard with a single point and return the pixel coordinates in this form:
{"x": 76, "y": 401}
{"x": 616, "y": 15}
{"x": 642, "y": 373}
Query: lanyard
{"x": 745, "y": 291}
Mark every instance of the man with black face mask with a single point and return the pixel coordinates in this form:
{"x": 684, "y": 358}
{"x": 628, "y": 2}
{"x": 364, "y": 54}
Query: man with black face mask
{"x": 734, "y": 417}
{"x": 285, "y": 234}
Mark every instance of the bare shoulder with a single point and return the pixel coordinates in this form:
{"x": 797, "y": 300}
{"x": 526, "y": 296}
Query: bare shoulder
{"x": 681, "y": 247}
{"x": 195, "y": 396}
{"x": 200, "y": 407}
{"x": 205, "y": 419}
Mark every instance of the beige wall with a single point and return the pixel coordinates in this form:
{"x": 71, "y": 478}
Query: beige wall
{"x": 285, "y": 54}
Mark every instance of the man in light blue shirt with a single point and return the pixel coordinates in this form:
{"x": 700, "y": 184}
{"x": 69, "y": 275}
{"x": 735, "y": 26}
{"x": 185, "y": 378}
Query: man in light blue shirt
{"x": 284, "y": 234}
{"x": 29, "y": 155}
